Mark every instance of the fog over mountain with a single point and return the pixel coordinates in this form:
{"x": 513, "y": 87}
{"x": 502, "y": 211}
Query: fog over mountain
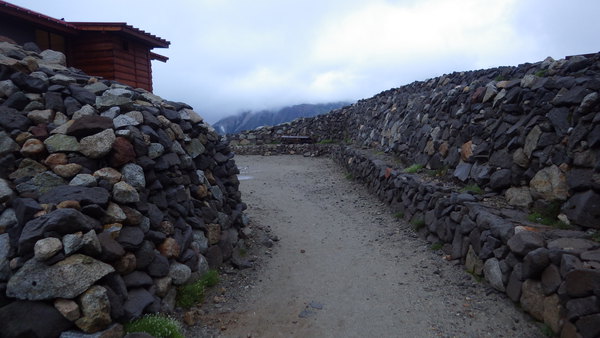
{"x": 251, "y": 120}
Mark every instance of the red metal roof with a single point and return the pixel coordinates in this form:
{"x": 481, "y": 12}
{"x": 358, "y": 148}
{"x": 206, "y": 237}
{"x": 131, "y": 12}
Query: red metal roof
{"x": 75, "y": 27}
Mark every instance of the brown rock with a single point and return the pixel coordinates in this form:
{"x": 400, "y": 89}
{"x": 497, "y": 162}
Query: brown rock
{"x": 126, "y": 264}
{"x": 532, "y": 299}
{"x": 67, "y": 170}
{"x": 552, "y": 312}
{"x": 443, "y": 149}
{"x": 55, "y": 159}
{"x": 132, "y": 216}
{"x": 33, "y": 148}
{"x": 122, "y": 152}
{"x": 68, "y": 308}
{"x": 202, "y": 191}
{"x": 166, "y": 227}
{"x": 466, "y": 150}
{"x": 214, "y": 233}
{"x": 550, "y": 184}
{"x": 22, "y": 137}
{"x": 39, "y": 131}
{"x": 69, "y": 204}
{"x": 109, "y": 174}
{"x": 169, "y": 248}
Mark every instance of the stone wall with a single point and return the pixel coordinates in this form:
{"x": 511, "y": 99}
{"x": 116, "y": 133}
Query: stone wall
{"x": 553, "y": 274}
{"x": 531, "y": 132}
{"x": 110, "y": 197}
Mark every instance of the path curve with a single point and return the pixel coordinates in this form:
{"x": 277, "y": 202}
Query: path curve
{"x": 345, "y": 267}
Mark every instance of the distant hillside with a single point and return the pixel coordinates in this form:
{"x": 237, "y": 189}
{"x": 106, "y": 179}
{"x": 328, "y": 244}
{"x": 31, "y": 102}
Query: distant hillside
{"x": 251, "y": 120}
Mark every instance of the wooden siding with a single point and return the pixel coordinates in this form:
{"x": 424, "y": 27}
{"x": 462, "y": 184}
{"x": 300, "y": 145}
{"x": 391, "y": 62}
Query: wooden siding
{"x": 115, "y": 58}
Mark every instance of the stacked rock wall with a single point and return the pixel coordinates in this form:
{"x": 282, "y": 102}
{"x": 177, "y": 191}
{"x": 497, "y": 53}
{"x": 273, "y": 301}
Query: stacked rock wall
{"x": 554, "y": 274}
{"x": 530, "y": 132}
{"x": 110, "y": 197}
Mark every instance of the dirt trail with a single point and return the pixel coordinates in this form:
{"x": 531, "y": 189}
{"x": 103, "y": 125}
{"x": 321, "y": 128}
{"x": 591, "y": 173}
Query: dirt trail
{"x": 345, "y": 267}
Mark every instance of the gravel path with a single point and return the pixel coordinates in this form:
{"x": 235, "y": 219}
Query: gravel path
{"x": 344, "y": 266}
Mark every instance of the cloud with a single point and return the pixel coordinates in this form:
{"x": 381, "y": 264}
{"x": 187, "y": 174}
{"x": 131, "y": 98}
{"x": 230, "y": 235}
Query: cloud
{"x": 228, "y": 56}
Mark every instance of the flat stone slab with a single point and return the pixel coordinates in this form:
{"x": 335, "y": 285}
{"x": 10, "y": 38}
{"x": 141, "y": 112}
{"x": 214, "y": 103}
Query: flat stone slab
{"x": 65, "y": 279}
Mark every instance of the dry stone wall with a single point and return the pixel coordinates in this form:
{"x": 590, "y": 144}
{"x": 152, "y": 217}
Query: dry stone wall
{"x": 531, "y": 132}
{"x": 528, "y": 136}
{"x": 553, "y": 274}
{"x": 110, "y": 197}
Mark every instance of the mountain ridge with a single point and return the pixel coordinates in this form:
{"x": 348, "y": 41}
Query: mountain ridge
{"x": 249, "y": 120}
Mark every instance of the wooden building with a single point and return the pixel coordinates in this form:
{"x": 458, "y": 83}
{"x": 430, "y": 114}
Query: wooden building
{"x": 112, "y": 50}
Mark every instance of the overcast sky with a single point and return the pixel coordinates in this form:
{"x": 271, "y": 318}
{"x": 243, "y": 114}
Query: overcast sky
{"x": 227, "y": 56}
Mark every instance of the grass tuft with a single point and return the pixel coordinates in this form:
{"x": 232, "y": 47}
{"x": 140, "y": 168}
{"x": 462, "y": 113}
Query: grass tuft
{"x": 541, "y": 73}
{"x": 418, "y": 224}
{"x": 413, "y": 168}
{"x": 436, "y": 246}
{"x": 596, "y": 236}
{"x": 156, "y": 325}
{"x": 548, "y": 215}
{"x": 191, "y": 294}
{"x": 399, "y": 215}
{"x": 546, "y": 330}
{"x": 472, "y": 188}
{"x": 349, "y": 176}
{"x": 326, "y": 141}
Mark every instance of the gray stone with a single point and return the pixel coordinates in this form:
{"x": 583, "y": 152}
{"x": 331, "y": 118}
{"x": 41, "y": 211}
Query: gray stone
{"x": 195, "y": 148}
{"x": 125, "y": 193}
{"x": 569, "y": 263}
{"x": 592, "y": 255}
{"x": 7, "y": 144}
{"x": 62, "y": 221}
{"x": 500, "y": 179}
{"x": 65, "y": 279}
{"x": 551, "y": 279}
{"x": 524, "y": 241}
{"x": 4, "y": 261}
{"x": 97, "y": 145}
{"x": 535, "y": 262}
{"x": 531, "y": 141}
{"x": 137, "y": 279}
{"x": 155, "y": 150}
{"x": 97, "y": 87}
{"x": 46, "y": 248}
{"x": 462, "y": 171}
{"x": 90, "y": 245}
{"x": 550, "y": 184}
{"x": 61, "y": 143}
{"x": 519, "y": 196}
{"x": 179, "y": 273}
{"x": 83, "y": 180}
{"x": 95, "y": 309}
{"x": 136, "y": 302}
{"x": 513, "y": 288}
{"x": 6, "y": 192}
{"x": 124, "y": 121}
{"x": 584, "y": 209}
{"x": 8, "y": 218}
{"x": 83, "y": 195}
{"x": 72, "y": 242}
{"x": 473, "y": 263}
{"x": 588, "y": 325}
{"x": 107, "y": 101}
{"x": 582, "y": 306}
{"x": 53, "y": 57}
{"x": 134, "y": 175}
{"x": 574, "y": 246}
{"x": 493, "y": 274}
{"x": 41, "y": 183}
{"x": 7, "y": 88}
{"x": 131, "y": 237}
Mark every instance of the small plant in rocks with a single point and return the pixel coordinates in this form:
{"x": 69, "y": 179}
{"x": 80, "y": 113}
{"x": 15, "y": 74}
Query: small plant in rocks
{"x": 418, "y": 224}
{"x": 472, "y": 188}
{"x": 415, "y": 168}
{"x": 436, "y": 246}
{"x": 548, "y": 215}
{"x": 156, "y": 325}
{"x": 349, "y": 176}
{"x": 326, "y": 141}
{"x": 191, "y": 294}
{"x": 399, "y": 215}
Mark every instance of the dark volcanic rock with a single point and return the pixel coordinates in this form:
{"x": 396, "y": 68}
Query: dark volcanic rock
{"x": 89, "y": 125}
{"x": 83, "y": 195}
{"x": 48, "y": 323}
